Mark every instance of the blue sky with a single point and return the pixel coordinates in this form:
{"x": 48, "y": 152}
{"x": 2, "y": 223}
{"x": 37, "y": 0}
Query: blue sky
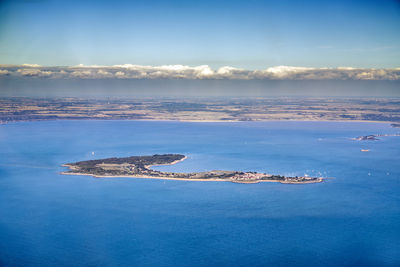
{"x": 242, "y": 34}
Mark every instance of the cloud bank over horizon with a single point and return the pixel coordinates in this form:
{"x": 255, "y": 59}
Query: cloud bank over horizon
{"x": 130, "y": 71}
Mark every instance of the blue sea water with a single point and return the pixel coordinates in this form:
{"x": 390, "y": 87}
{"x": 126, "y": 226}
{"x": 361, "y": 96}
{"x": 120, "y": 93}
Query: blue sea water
{"x": 351, "y": 219}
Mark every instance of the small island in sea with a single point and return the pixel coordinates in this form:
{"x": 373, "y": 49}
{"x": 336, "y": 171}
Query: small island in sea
{"x": 140, "y": 167}
{"x": 370, "y": 137}
{"x": 373, "y": 137}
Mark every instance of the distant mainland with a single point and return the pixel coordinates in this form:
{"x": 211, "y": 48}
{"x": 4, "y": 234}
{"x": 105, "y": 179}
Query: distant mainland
{"x": 140, "y": 167}
{"x": 386, "y": 110}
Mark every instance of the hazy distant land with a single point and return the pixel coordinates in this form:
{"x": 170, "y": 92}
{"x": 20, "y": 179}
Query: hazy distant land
{"x": 191, "y": 109}
{"x": 140, "y": 167}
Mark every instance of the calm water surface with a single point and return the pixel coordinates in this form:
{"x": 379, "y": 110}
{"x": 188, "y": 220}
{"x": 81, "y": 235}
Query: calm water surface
{"x": 48, "y": 219}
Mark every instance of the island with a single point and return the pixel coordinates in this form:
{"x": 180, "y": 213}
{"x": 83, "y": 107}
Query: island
{"x": 140, "y": 167}
{"x": 373, "y": 137}
{"x": 370, "y": 137}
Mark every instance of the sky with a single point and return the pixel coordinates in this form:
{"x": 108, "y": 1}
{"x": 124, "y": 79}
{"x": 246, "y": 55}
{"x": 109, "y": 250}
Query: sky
{"x": 249, "y": 35}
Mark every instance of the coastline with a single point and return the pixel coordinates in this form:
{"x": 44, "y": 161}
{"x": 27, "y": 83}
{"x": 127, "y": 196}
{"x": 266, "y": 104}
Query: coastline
{"x": 195, "y": 121}
{"x": 320, "y": 180}
{"x": 167, "y": 164}
{"x": 195, "y": 180}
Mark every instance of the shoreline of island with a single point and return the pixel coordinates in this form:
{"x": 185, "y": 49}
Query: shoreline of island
{"x": 227, "y": 176}
{"x": 319, "y": 179}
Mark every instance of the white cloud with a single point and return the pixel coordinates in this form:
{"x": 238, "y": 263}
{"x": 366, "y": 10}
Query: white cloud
{"x": 31, "y": 65}
{"x": 29, "y": 72}
{"x": 104, "y": 74}
{"x": 81, "y": 74}
{"x": 4, "y": 72}
{"x": 346, "y": 68}
{"x": 120, "y": 74}
{"x": 32, "y": 72}
{"x": 203, "y": 71}
{"x": 86, "y": 66}
{"x": 283, "y": 70}
{"x": 130, "y": 71}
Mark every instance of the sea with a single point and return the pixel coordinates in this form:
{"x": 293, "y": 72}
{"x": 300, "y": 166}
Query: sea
{"x": 350, "y": 219}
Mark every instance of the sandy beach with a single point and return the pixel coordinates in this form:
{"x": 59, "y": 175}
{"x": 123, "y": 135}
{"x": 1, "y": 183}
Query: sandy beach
{"x": 194, "y": 180}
